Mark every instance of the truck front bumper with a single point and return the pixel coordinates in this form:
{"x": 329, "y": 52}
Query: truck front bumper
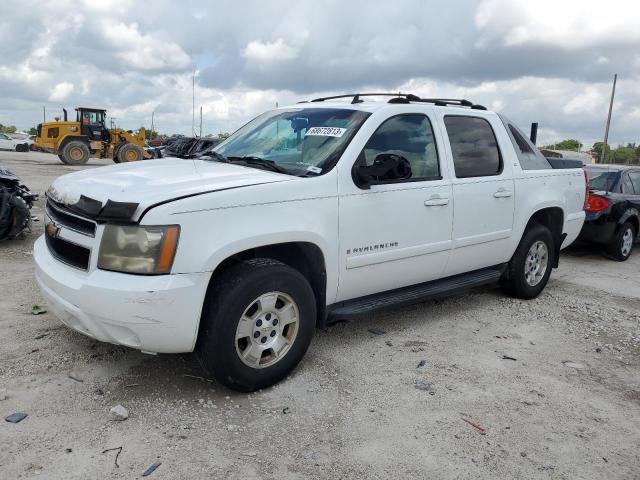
{"x": 150, "y": 313}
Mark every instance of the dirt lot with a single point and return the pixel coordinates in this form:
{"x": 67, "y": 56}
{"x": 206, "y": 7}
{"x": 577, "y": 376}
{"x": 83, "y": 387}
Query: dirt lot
{"x": 567, "y": 406}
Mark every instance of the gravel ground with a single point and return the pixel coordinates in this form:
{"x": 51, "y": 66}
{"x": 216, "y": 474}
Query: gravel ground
{"x": 565, "y": 405}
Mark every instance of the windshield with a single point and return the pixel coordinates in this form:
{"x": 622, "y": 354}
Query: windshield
{"x": 601, "y": 179}
{"x": 299, "y": 141}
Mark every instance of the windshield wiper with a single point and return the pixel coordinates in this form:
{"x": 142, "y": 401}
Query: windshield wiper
{"x": 218, "y": 157}
{"x": 257, "y": 161}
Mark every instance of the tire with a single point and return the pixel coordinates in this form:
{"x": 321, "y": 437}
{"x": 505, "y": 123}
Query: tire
{"x": 61, "y": 157}
{"x": 622, "y": 245}
{"x": 530, "y": 267}
{"x": 128, "y": 153}
{"x": 116, "y": 149}
{"x": 270, "y": 293}
{"x": 75, "y": 152}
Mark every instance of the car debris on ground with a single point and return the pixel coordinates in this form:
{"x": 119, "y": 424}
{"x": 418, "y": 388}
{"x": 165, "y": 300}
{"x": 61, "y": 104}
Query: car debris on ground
{"x": 184, "y": 147}
{"x": 118, "y": 413}
{"x": 16, "y": 417}
{"x": 37, "y": 310}
{"x": 152, "y": 468}
{"x": 16, "y": 201}
{"x": 115, "y": 460}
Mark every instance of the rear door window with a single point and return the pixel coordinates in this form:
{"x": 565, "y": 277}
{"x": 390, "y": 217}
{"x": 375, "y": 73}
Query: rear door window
{"x": 474, "y": 146}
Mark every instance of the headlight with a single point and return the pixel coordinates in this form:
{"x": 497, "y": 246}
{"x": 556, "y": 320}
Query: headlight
{"x": 138, "y": 249}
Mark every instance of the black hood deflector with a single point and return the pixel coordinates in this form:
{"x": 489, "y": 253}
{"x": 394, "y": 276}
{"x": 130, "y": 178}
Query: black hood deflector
{"x": 95, "y": 210}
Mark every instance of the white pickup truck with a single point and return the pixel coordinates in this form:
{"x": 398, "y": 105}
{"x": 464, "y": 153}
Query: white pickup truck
{"x": 325, "y": 210}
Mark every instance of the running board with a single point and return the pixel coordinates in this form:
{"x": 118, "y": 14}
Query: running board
{"x": 422, "y": 292}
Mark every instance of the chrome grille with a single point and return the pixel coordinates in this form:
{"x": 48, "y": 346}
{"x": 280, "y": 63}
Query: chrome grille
{"x": 65, "y": 218}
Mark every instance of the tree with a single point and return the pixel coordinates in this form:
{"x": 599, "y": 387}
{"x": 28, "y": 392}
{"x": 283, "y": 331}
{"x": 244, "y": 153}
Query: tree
{"x": 629, "y": 154}
{"x": 597, "y": 149}
{"x": 7, "y": 128}
{"x": 149, "y": 134}
{"x": 33, "y": 131}
{"x": 569, "y": 144}
{"x": 623, "y": 155}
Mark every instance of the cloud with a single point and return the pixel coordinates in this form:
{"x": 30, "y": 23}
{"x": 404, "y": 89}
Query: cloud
{"x": 61, "y": 92}
{"x": 268, "y": 52}
{"x": 143, "y": 51}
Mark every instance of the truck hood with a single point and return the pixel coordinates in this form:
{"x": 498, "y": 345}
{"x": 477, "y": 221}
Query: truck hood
{"x": 126, "y": 190}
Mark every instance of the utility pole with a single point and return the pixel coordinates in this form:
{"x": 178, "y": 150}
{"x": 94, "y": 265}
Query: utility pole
{"x": 200, "y": 121}
{"x": 44, "y": 114}
{"x": 606, "y": 130}
{"x": 193, "y": 104}
{"x": 152, "y": 123}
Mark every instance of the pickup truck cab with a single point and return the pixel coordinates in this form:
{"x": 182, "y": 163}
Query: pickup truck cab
{"x": 320, "y": 211}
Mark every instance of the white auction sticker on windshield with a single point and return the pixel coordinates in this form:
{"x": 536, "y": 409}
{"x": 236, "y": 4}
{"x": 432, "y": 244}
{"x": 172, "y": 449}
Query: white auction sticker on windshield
{"x": 326, "y": 131}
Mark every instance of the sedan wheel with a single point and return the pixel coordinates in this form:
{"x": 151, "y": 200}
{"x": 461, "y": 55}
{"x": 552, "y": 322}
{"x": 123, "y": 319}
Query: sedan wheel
{"x": 627, "y": 242}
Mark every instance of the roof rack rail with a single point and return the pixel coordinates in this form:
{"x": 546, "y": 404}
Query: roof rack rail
{"x": 404, "y": 98}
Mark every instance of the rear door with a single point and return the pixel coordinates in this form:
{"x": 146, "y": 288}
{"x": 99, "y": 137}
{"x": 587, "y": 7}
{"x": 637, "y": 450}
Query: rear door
{"x": 483, "y": 191}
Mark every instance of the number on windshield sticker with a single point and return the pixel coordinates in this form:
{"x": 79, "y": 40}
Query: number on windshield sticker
{"x": 326, "y": 131}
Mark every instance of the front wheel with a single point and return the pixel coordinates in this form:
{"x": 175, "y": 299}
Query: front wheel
{"x": 258, "y": 322}
{"x": 128, "y": 152}
{"x": 76, "y": 152}
{"x": 622, "y": 245}
{"x": 530, "y": 267}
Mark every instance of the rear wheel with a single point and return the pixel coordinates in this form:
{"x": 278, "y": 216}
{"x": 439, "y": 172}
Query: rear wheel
{"x": 622, "y": 245}
{"x": 129, "y": 153}
{"x": 75, "y": 153}
{"x": 258, "y": 322}
{"x": 530, "y": 267}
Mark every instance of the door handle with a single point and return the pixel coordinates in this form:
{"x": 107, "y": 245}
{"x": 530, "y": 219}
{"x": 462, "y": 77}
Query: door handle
{"x": 502, "y": 193}
{"x": 436, "y": 202}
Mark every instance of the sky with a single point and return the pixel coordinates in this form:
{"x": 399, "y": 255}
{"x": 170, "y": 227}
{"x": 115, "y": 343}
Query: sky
{"x": 550, "y": 61}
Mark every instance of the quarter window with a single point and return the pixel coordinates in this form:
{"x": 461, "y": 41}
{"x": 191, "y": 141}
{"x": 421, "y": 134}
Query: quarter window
{"x": 410, "y": 137}
{"x": 474, "y": 146}
{"x": 521, "y": 142}
{"x": 635, "y": 180}
{"x": 627, "y": 187}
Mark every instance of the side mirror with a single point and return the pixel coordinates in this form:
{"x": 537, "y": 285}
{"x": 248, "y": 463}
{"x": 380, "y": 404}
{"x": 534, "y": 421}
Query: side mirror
{"x": 385, "y": 167}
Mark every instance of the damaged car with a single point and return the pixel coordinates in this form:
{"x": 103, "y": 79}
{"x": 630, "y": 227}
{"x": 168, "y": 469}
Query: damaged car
{"x": 16, "y": 201}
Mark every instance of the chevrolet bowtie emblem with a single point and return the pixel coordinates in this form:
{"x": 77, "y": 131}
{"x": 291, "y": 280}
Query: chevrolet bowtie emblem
{"x": 52, "y": 230}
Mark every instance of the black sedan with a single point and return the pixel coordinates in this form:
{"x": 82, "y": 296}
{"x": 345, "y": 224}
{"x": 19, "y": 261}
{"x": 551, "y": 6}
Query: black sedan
{"x": 613, "y": 209}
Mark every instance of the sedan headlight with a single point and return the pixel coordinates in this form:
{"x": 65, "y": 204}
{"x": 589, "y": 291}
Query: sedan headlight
{"x": 139, "y": 249}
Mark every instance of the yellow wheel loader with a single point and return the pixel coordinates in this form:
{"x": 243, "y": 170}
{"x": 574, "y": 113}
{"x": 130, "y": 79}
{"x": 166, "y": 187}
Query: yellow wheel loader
{"x": 75, "y": 142}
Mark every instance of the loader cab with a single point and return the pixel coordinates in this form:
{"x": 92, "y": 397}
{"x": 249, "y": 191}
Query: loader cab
{"x": 92, "y": 123}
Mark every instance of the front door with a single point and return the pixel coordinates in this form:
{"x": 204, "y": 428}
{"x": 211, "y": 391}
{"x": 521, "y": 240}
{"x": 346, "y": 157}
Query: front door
{"x": 397, "y": 232}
